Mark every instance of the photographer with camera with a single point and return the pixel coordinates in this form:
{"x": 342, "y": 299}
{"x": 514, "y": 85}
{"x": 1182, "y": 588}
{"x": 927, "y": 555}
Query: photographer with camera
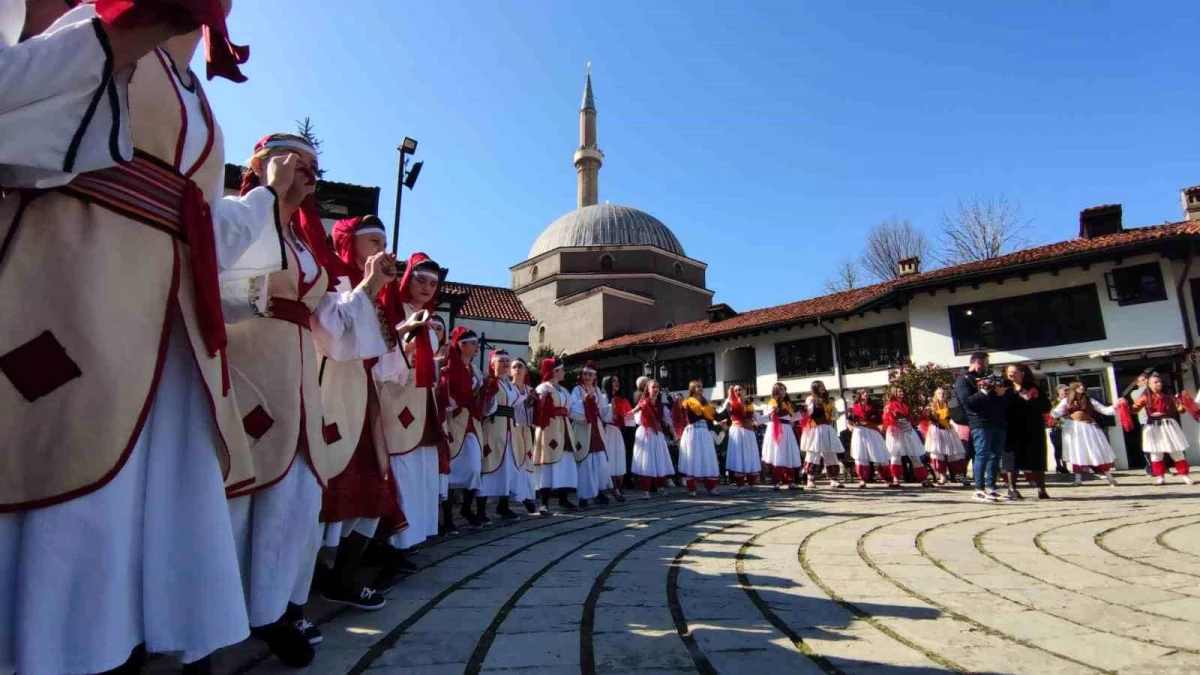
{"x": 985, "y": 397}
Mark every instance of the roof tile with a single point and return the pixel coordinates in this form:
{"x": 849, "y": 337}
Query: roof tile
{"x": 489, "y": 303}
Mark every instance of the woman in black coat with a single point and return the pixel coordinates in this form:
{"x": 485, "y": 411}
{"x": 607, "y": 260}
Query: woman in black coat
{"x": 1025, "y": 442}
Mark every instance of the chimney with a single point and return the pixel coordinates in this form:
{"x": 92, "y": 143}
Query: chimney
{"x": 1191, "y": 202}
{"x": 720, "y": 312}
{"x": 1100, "y": 221}
{"x": 909, "y": 266}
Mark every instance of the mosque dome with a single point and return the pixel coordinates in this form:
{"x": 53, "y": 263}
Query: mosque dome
{"x": 606, "y": 225}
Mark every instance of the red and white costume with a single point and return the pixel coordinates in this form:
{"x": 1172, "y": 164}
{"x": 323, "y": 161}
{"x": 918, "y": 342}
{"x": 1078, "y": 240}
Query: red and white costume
{"x": 500, "y": 435}
{"x": 587, "y": 425}
{"x": 902, "y": 441}
{"x": 1161, "y": 436}
{"x": 867, "y": 445}
{"x": 741, "y": 451}
{"x": 522, "y": 443}
{"x": 819, "y": 441}
{"x": 364, "y": 489}
{"x": 463, "y": 383}
{"x": 412, "y": 419}
{"x": 946, "y": 452}
{"x": 697, "y": 452}
{"x": 1085, "y": 445}
{"x": 781, "y": 450}
{"x": 553, "y": 459}
{"x": 115, "y": 532}
{"x": 651, "y": 457}
{"x": 620, "y": 416}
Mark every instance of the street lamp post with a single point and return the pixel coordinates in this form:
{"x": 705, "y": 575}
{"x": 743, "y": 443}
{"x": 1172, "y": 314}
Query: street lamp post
{"x": 408, "y": 147}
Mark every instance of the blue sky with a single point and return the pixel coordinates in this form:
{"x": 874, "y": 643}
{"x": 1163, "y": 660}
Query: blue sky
{"x": 770, "y": 136}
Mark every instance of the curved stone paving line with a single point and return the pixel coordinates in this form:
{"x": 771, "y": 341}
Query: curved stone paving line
{"x": 1045, "y": 601}
{"x": 1143, "y": 549}
{"x": 1180, "y": 537}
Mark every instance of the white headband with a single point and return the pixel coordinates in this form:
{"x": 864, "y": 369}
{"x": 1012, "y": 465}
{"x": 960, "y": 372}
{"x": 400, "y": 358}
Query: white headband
{"x": 465, "y": 340}
{"x": 370, "y": 229}
{"x": 588, "y": 369}
{"x": 425, "y": 273}
{"x": 289, "y": 144}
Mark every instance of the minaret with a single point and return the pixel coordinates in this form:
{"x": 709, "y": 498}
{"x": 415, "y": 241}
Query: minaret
{"x": 588, "y": 156}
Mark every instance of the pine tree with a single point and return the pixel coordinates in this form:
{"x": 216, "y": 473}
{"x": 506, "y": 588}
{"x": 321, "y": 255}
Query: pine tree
{"x": 308, "y": 131}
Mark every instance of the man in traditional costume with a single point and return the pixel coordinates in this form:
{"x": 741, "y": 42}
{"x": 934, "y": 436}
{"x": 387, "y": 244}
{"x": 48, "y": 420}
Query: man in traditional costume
{"x": 555, "y": 465}
{"x": 412, "y": 420}
{"x": 588, "y": 409}
{"x": 464, "y": 386}
{"x": 115, "y": 538}
{"x": 363, "y": 489}
{"x": 500, "y": 435}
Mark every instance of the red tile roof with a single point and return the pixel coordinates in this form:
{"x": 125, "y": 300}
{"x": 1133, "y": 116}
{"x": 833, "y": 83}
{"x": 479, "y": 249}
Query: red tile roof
{"x": 848, "y": 301}
{"x": 489, "y": 303}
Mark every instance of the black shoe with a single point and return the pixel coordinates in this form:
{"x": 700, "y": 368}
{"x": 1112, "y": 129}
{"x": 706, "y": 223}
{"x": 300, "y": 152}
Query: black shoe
{"x": 387, "y": 579}
{"x": 481, "y": 510}
{"x": 472, "y": 519}
{"x": 507, "y": 513}
{"x": 531, "y": 507}
{"x": 567, "y": 504}
{"x": 603, "y": 499}
{"x": 286, "y": 643}
{"x": 584, "y": 503}
{"x": 402, "y": 563}
{"x": 309, "y": 630}
{"x": 365, "y": 598}
{"x": 621, "y": 497}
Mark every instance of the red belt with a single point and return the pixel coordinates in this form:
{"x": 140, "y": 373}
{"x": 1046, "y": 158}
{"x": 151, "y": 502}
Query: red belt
{"x": 153, "y": 193}
{"x": 558, "y": 412}
{"x": 291, "y": 311}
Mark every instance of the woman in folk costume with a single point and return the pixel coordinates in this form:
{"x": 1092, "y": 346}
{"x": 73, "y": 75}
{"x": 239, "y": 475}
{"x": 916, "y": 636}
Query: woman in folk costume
{"x": 901, "y": 439}
{"x": 406, "y": 378}
{"x": 589, "y": 408}
{"x": 947, "y": 456}
{"x": 614, "y": 437}
{"x": 819, "y": 440}
{"x": 118, "y": 375}
{"x": 866, "y": 442}
{"x": 741, "y": 453}
{"x": 499, "y": 432}
{"x": 363, "y": 489}
{"x": 463, "y": 384}
{"x": 1162, "y": 436}
{"x": 1085, "y": 444}
{"x": 697, "y": 453}
{"x": 524, "y": 489}
{"x": 780, "y": 449}
{"x": 553, "y": 460}
{"x": 273, "y": 367}
{"x": 651, "y": 457}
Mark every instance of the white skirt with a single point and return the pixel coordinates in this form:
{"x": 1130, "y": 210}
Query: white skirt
{"x": 561, "y": 474}
{"x": 418, "y": 482}
{"x": 697, "y": 454}
{"x": 592, "y": 475}
{"x": 820, "y": 442}
{"x": 502, "y": 481}
{"x": 149, "y": 557}
{"x": 614, "y": 445}
{"x": 523, "y": 487}
{"x": 904, "y": 444}
{"x": 464, "y": 469}
{"x": 944, "y": 444}
{"x": 278, "y": 536}
{"x": 651, "y": 457}
{"x": 1086, "y": 445}
{"x": 741, "y": 452}
{"x": 867, "y": 446}
{"x": 336, "y": 532}
{"x": 1164, "y": 438}
{"x": 785, "y": 453}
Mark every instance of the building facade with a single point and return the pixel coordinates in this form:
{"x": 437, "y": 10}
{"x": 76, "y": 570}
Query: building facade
{"x": 1102, "y": 307}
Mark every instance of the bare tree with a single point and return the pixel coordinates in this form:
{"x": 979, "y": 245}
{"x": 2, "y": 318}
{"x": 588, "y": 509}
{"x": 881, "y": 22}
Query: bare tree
{"x": 889, "y": 242}
{"x": 982, "y": 229}
{"x": 845, "y": 277}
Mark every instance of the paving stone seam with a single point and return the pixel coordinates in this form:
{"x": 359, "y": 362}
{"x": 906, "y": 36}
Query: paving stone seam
{"x": 859, "y": 612}
{"x": 1160, "y": 538}
{"x": 979, "y": 545}
{"x": 479, "y": 654}
{"x": 388, "y": 641}
{"x": 699, "y": 657}
{"x": 920, "y": 541}
{"x": 981, "y": 627}
{"x": 1099, "y": 540}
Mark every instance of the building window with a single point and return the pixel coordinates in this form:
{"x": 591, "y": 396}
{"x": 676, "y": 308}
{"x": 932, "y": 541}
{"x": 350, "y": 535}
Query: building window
{"x": 606, "y": 263}
{"x": 1136, "y": 284}
{"x": 1047, "y": 319}
{"x": 678, "y": 270}
{"x": 533, "y": 273}
{"x": 810, "y": 356}
{"x": 541, "y": 335}
{"x": 701, "y": 367}
{"x": 874, "y": 348}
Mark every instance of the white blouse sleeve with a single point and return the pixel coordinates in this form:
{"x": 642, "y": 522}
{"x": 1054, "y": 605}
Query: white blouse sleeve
{"x": 1103, "y": 409}
{"x": 346, "y": 326}
{"x": 1059, "y": 410}
{"x": 520, "y": 412}
{"x": 606, "y": 411}
{"x": 392, "y": 367}
{"x": 246, "y": 231}
{"x": 62, "y": 110}
{"x": 575, "y": 406}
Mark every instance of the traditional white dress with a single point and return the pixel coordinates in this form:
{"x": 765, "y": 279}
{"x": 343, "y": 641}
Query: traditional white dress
{"x": 418, "y": 481}
{"x": 465, "y": 467}
{"x": 614, "y": 442}
{"x": 819, "y": 442}
{"x": 942, "y": 442}
{"x": 563, "y": 473}
{"x": 742, "y": 451}
{"x": 148, "y": 557}
{"x": 1084, "y": 442}
{"x": 651, "y": 457}
{"x": 523, "y": 481}
{"x": 697, "y": 451}
{"x": 593, "y": 473}
{"x": 785, "y": 452}
{"x": 503, "y": 481}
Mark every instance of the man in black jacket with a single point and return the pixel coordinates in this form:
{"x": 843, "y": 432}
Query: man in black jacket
{"x": 985, "y": 399}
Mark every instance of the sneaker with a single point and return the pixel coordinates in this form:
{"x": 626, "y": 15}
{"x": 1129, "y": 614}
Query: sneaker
{"x": 980, "y": 496}
{"x": 1111, "y": 479}
{"x": 1160, "y": 481}
{"x": 836, "y": 484}
{"x": 1078, "y": 480}
{"x": 366, "y": 598}
{"x": 567, "y": 505}
{"x": 603, "y": 499}
{"x": 309, "y": 630}
{"x": 1188, "y": 479}
{"x": 862, "y": 484}
{"x": 286, "y": 643}
{"x": 810, "y": 484}
{"x": 621, "y": 497}
{"x": 893, "y": 486}
{"x": 993, "y": 496}
{"x": 777, "y": 488}
{"x": 584, "y": 503}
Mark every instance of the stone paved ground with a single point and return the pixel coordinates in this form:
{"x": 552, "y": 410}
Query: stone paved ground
{"x": 850, "y": 581}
